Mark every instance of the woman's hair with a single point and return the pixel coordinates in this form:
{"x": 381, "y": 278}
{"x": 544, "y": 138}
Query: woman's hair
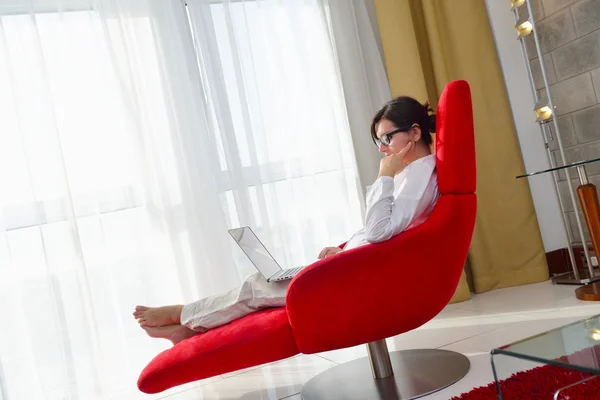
{"x": 405, "y": 111}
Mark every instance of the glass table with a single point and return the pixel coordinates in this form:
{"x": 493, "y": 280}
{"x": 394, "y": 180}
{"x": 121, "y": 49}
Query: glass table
{"x": 588, "y": 201}
{"x": 575, "y": 346}
{"x": 580, "y": 165}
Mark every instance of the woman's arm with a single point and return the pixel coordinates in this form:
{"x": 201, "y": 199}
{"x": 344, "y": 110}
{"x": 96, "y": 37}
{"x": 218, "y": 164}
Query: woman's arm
{"x": 388, "y": 214}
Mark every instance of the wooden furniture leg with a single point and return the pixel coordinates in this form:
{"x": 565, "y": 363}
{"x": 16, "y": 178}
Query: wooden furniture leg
{"x": 588, "y": 200}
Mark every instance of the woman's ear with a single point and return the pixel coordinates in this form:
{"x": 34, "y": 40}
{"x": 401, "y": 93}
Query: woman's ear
{"x": 416, "y": 133}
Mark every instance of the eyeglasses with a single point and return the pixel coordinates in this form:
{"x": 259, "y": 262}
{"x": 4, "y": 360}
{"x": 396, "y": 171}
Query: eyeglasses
{"x": 387, "y": 138}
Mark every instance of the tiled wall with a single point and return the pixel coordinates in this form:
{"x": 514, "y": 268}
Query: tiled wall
{"x": 569, "y": 32}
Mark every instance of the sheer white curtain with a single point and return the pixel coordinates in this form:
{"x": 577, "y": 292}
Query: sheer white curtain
{"x": 354, "y": 31}
{"x": 132, "y": 136}
{"x": 285, "y": 158}
{"x": 94, "y": 194}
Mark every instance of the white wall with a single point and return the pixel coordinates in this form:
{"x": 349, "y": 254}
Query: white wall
{"x": 543, "y": 191}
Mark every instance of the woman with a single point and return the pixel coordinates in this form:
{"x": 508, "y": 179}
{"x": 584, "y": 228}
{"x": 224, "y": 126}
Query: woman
{"x": 402, "y": 197}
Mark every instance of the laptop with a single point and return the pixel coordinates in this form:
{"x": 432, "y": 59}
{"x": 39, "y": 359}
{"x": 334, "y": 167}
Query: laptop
{"x": 260, "y": 256}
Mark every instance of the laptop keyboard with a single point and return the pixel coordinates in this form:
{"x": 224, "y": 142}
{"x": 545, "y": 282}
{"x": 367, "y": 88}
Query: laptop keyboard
{"x": 288, "y": 273}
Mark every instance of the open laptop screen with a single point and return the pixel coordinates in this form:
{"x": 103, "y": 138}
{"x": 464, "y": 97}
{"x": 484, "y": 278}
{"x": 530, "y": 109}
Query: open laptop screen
{"x": 256, "y": 251}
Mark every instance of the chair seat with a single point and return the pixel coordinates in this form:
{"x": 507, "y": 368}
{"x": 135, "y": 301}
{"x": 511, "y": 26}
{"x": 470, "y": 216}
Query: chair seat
{"x": 259, "y": 338}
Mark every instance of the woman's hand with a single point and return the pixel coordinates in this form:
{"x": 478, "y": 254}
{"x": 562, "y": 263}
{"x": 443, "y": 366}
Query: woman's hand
{"x": 393, "y": 164}
{"x": 329, "y": 251}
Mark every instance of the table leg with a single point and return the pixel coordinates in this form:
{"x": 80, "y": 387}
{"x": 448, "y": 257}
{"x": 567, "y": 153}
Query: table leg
{"x": 558, "y": 392}
{"x": 588, "y": 200}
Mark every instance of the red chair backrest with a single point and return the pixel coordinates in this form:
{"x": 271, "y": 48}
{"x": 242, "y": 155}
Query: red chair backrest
{"x": 454, "y": 141}
{"x": 376, "y": 291}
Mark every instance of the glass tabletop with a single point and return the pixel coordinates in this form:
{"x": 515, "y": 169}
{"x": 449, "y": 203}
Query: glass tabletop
{"x": 575, "y": 164}
{"x": 575, "y": 346}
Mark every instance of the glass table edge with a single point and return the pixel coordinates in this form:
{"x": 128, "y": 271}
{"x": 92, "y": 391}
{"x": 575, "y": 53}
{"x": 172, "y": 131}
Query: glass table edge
{"x": 546, "y": 361}
{"x": 558, "y": 328}
{"x": 572, "y": 165}
{"x": 502, "y": 350}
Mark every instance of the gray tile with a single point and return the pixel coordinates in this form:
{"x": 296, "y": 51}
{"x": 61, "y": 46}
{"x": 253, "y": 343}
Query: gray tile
{"x": 579, "y": 153}
{"x": 563, "y": 189}
{"x": 585, "y": 152}
{"x": 586, "y": 16}
{"x": 567, "y": 132}
{"x": 552, "y": 6}
{"x": 538, "y": 10}
{"x": 573, "y": 94}
{"x": 575, "y": 229}
{"x": 595, "y": 179}
{"x": 550, "y": 32}
{"x": 558, "y": 162}
{"x": 587, "y": 124}
{"x": 596, "y": 81}
{"x": 556, "y": 157}
{"x": 536, "y": 71}
{"x": 556, "y": 31}
{"x": 530, "y": 47}
{"x": 589, "y": 151}
{"x": 579, "y": 56}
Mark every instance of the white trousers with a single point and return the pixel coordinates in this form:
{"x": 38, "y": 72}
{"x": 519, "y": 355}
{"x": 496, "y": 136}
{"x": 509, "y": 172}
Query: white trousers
{"x": 253, "y": 295}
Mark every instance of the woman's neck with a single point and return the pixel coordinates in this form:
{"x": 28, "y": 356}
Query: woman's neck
{"x": 420, "y": 151}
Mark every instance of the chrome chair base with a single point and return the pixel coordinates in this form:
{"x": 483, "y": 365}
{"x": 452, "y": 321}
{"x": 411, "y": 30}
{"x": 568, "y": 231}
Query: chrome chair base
{"x": 416, "y": 373}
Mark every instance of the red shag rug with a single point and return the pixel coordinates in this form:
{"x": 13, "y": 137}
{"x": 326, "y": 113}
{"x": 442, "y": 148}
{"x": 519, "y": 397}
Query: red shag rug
{"x": 542, "y": 382}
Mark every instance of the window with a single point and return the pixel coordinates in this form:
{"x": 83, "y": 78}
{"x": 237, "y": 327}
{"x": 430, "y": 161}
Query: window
{"x": 78, "y": 127}
{"x": 279, "y": 120}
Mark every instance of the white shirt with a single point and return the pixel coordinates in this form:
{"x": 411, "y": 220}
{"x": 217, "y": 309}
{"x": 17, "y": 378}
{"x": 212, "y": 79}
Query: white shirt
{"x": 400, "y": 203}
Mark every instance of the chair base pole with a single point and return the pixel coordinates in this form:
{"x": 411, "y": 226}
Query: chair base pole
{"x": 379, "y": 356}
{"x": 417, "y": 373}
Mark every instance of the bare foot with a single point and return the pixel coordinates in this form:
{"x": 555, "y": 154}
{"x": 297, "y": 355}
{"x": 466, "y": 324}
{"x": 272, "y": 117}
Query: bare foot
{"x": 173, "y": 333}
{"x": 158, "y": 316}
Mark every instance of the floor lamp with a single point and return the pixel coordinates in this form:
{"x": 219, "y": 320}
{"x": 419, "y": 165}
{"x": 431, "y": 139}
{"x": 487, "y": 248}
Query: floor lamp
{"x": 522, "y": 11}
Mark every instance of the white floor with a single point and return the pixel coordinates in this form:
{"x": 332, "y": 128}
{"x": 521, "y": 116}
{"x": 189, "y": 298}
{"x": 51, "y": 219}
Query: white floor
{"x": 472, "y": 328}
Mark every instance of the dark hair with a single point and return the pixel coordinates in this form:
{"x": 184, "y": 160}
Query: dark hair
{"x": 405, "y": 111}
